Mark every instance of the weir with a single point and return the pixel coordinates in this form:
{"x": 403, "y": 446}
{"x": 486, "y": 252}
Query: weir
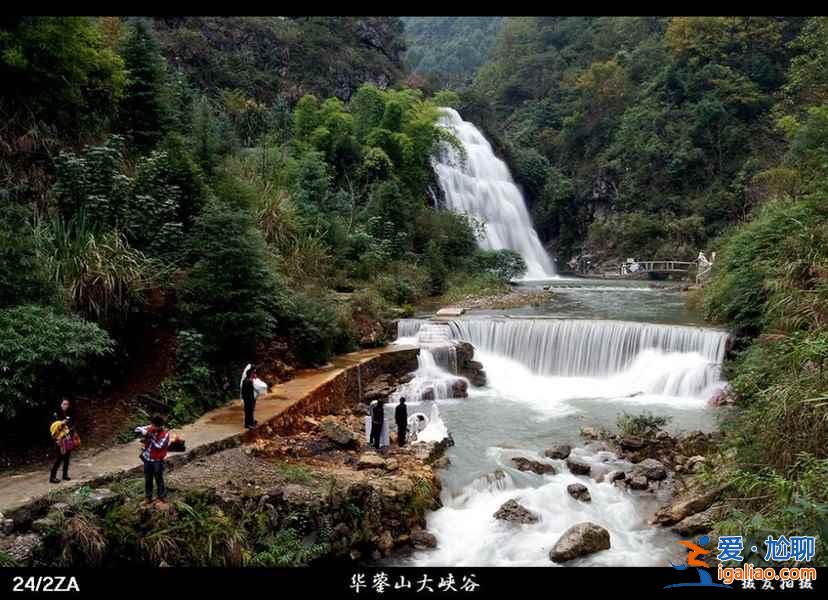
{"x": 672, "y": 360}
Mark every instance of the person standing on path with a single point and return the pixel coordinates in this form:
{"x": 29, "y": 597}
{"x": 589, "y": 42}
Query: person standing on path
{"x": 377, "y": 422}
{"x": 248, "y": 394}
{"x": 401, "y": 418}
{"x": 156, "y": 442}
{"x": 63, "y": 433}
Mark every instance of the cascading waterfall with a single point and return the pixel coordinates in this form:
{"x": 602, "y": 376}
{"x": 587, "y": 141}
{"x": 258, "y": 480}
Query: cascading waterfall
{"x": 431, "y": 380}
{"x": 668, "y": 360}
{"x": 479, "y": 184}
{"x": 581, "y": 347}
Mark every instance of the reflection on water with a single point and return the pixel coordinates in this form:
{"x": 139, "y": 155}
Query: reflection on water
{"x": 653, "y": 302}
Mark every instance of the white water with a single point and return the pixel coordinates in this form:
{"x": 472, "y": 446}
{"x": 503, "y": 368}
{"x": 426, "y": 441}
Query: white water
{"x": 546, "y": 379}
{"x": 571, "y": 358}
{"x": 481, "y": 186}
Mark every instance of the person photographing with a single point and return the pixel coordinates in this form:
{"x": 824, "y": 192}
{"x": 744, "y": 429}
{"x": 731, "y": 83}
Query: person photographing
{"x": 156, "y": 440}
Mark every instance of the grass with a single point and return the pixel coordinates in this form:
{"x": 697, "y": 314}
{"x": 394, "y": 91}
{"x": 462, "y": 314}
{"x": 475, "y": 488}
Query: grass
{"x": 464, "y": 285}
{"x": 7, "y": 561}
{"x": 295, "y": 473}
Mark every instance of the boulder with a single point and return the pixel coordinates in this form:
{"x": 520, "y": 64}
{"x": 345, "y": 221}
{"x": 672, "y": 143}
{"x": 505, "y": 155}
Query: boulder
{"x": 637, "y": 482}
{"x": 578, "y": 466}
{"x": 99, "y": 499}
{"x": 21, "y": 548}
{"x": 615, "y": 475}
{"x": 599, "y": 471}
{"x": 459, "y": 388}
{"x": 682, "y": 508}
{"x": 392, "y": 464}
{"x": 370, "y": 460}
{"x": 651, "y": 469}
{"x": 515, "y": 513}
{"x": 44, "y": 524}
{"x": 422, "y": 539}
{"x": 590, "y": 433}
{"x": 695, "y": 463}
{"x": 338, "y": 433}
{"x": 6, "y": 526}
{"x": 699, "y": 523}
{"x": 524, "y": 464}
{"x": 559, "y": 451}
{"x": 579, "y": 491}
{"x": 362, "y": 409}
{"x": 427, "y": 394}
{"x": 632, "y": 442}
{"x": 579, "y": 540}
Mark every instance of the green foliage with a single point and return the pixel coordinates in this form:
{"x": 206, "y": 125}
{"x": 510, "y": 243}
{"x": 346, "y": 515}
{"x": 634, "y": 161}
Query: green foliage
{"x": 452, "y": 48}
{"x": 226, "y": 292}
{"x": 145, "y": 113}
{"x": 639, "y": 121}
{"x": 644, "y": 425}
{"x": 24, "y": 276}
{"x": 503, "y": 264}
{"x": 61, "y": 72}
{"x": 39, "y": 349}
{"x": 103, "y": 278}
{"x": 288, "y": 550}
{"x": 7, "y": 561}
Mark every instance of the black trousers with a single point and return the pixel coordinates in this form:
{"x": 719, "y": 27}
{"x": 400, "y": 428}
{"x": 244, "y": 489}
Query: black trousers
{"x": 154, "y": 470}
{"x": 376, "y": 431}
{"x": 402, "y": 431}
{"x": 61, "y": 458}
{"x": 249, "y": 409}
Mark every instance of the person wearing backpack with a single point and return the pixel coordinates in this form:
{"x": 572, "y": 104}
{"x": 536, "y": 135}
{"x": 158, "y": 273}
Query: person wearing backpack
{"x": 156, "y": 443}
{"x": 63, "y": 433}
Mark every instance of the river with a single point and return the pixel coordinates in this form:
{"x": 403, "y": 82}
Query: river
{"x": 594, "y": 350}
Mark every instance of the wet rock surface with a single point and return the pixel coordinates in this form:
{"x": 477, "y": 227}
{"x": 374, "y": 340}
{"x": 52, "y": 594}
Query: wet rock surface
{"x": 558, "y": 451}
{"x": 525, "y": 464}
{"x": 514, "y": 512}
{"x": 580, "y": 540}
{"x": 579, "y": 491}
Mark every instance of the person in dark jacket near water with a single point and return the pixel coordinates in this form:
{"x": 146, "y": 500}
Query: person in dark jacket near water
{"x": 377, "y": 422}
{"x": 65, "y": 415}
{"x": 401, "y": 418}
{"x": 248, "y": 393}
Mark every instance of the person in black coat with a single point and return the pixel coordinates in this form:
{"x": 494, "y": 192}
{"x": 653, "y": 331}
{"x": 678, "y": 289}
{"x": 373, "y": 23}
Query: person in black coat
{"x": 401, "y": 418}
{"x": 65, "y": 414}
{"x": 248, "y": 394}
{"x": 377, "y": 421}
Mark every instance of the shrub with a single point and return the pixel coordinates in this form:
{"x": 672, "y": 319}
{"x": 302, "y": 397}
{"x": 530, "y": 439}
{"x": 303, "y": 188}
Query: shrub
{"x": 503, "y": 264}
{"x": 24, "y": 276}
{"x": 39, "y": 349}
{"x": 645, "y": 424}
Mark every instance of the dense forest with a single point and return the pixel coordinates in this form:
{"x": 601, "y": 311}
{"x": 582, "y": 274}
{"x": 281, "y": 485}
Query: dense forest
{"x": 448, "y": 51}
{"x": 242, "y": 188}
{"x": 260, "y": 189}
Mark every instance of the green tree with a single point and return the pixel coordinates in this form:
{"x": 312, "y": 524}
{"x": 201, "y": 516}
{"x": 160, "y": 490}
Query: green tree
{"x": 226, "y": 294}
{"x": 145, "y": 113}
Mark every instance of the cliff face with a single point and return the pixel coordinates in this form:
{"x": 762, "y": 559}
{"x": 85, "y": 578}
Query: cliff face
{"x": 266, "y": 57}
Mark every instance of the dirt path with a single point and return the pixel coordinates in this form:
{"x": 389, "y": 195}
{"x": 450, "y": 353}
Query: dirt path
{"x": 213, "y": 428}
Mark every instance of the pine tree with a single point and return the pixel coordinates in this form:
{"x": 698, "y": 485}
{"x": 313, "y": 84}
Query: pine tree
{"x": 145, "y": 112}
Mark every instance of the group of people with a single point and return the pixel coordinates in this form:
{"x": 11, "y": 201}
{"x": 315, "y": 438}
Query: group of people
{"x": 155, "y": 445}
{"x": 379, "y": 432}
{"x": 156, "y": 437}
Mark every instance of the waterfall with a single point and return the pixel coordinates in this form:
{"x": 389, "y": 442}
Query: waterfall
{"x": 584, "y": 347}
{"x": 625, "y": 357}
{"x": 479, "y": 184}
